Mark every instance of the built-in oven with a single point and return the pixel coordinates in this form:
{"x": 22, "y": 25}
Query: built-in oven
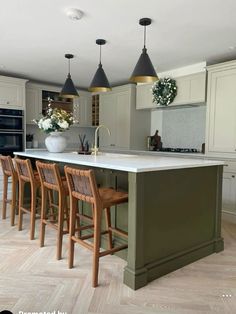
{"x": 11, "y": 131}
{"x": 11, "y": 120}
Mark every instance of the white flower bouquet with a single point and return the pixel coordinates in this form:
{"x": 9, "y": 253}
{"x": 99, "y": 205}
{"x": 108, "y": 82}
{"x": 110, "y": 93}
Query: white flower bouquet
{"x": 55, "y": 120}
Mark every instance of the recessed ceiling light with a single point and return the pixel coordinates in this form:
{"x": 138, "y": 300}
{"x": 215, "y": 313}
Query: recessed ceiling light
{"x": 74, "y": 14}
{"x": 232, "y": 47}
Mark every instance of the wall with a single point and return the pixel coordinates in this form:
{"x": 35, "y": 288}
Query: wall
{"x": 72, "y": 135}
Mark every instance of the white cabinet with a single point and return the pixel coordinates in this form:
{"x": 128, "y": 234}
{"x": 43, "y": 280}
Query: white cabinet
{"x": 229, "y": 190}
{"x": 221, "y": 109}
{"x": 129, "y": 127}
{"x": 144, "y": 97}
{"x": 191, "y": 90}
{"x": 12, "y": 93}
{"x": 33, "y": 104}
{"x": 83, "y": 109}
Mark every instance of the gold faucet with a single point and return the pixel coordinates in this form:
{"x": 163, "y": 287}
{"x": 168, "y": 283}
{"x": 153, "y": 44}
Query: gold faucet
{"x": 95, "y": 149}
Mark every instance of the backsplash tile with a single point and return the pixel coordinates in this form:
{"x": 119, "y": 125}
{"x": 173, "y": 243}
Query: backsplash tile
{"x": 184, "y": 127}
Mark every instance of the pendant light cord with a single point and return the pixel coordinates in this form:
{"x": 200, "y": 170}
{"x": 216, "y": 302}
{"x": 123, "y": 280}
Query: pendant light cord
{"x": 144, "y": 36}
{"x": 100, "y": 55}
{"x": 69, "y": 65}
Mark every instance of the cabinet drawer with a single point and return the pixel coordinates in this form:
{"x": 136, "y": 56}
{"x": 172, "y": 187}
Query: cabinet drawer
{"x": 230, "y": 166}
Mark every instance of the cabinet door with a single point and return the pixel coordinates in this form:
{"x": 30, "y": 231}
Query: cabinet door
{"x": 183, "y": 91}
{"x": 11, "y": 95}
{"x": 191, "y": 89}
{"x": 144, "y": 97}
{"x": 108, "y": 117}
{"x": 32, "y": 105}
{"x": 222, "y": 115}
{"x": 82, "y": 110}
{"x": 123, "y": 120}
{"x": 198, "y": 88}
{"x": 229, "y": 192}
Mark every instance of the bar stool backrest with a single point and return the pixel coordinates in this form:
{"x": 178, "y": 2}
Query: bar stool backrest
{"x": 82, "y": 185}
{"x": 49, "y": 175}
{"x": 24, "y": 170}
{"x": 7, "y": 166}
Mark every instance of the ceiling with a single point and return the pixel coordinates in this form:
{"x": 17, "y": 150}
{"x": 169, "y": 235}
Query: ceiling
{"x": 35, "y": 35}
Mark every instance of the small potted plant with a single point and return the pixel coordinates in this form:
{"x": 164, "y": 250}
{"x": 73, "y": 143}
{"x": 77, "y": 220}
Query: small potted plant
{"x": 29, "y": 140}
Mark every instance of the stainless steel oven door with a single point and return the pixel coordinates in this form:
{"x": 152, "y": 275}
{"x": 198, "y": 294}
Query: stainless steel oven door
{"x": 10, "y": 123}
{"x": 11, "y": 142}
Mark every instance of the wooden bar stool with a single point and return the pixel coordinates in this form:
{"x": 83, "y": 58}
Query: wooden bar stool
{"x": 27, "y": 175}
{"x": 9, "y": 172}
{"x": 82, "y": 186}
{"x": 51, "y": 181}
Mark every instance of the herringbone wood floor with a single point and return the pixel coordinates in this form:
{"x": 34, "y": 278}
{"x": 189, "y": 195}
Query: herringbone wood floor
{"x": 32, "y": 280}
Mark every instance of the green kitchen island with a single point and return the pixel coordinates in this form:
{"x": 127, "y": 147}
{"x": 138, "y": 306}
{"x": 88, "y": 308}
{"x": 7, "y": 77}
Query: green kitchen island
{"x": 174, "y": 208}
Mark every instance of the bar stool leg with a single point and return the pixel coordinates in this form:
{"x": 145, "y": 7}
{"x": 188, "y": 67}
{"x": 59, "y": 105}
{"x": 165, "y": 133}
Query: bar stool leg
{"x": 97, "y": 234}
{"x": 21, "y": 204}
{"x": 13, "y": 202}
{"x": 108, "y": 223}
{"x": 72, "y": 231}
{"x": 33, "y": 213}
{"x": 4, "y": 204}
{"x": 43, "y": 217}
{"x": 60, "y": 225}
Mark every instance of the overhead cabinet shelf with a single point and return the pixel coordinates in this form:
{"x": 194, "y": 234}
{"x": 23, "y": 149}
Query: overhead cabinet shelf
{"x": 191, "y": 92}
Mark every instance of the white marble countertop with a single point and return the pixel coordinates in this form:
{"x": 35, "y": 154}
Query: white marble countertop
{"x": 123, "y": 162}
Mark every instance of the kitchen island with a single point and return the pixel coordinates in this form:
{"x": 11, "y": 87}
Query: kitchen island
{"x": 174, "y": 208}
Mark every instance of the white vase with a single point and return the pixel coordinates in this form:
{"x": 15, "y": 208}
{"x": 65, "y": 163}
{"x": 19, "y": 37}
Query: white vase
{"x": 55, "y": 142}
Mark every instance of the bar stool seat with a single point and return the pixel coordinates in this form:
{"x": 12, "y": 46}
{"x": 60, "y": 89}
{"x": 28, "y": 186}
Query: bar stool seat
{"x": 82, "y": 186}
{"x": 9, "y": 172}
{"x": 51, "y": 181}
{"x": 111, "y": 197}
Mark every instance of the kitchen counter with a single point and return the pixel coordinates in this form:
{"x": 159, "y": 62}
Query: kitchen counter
{"x": 124, "y": 162}
{"x": 173, "y": 216}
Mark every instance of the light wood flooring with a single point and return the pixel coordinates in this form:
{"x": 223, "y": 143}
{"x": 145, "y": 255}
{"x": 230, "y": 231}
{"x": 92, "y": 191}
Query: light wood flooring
{"x": 31, "y": 280}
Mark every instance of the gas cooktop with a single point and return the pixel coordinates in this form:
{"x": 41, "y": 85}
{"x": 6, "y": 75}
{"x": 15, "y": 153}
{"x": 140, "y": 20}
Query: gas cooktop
{"x": 179, "y": 150}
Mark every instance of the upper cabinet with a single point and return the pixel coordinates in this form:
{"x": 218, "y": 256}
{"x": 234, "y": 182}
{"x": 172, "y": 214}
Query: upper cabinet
{"x": 37, "y": 101}
{"x": 83, "y": 109}
{"x": 129, "y": 127}
{"x": 191, "y": 90}
{"x": 12, "y": 92}
{"x": 221, "y": 109}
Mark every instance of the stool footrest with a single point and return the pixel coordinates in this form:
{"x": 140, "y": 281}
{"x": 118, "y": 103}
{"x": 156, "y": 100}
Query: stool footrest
{"x": 119, "y": 231}
{"x": 113, "y": 250}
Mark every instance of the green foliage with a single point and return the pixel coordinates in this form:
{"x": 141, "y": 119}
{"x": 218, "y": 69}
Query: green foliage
{"x": 164, "y": 91}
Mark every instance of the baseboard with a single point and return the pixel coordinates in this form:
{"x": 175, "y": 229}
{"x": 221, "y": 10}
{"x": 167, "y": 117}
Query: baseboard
{"x": 229, "y": 216}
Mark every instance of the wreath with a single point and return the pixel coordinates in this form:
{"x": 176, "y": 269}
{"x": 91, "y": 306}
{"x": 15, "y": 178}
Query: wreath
{"x": 164, "y": 91}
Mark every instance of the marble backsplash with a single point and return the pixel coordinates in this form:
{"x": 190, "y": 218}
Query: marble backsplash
{"x": 184, "y": 127}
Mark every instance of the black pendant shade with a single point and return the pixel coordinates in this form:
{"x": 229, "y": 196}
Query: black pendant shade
{"x": 69, "y": 90}
{"x": 100, "y": 82}
{"x": 144, "y": 71}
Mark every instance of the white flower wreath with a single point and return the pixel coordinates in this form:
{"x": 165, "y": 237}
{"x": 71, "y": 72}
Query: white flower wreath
{"x": 164, "y": 91}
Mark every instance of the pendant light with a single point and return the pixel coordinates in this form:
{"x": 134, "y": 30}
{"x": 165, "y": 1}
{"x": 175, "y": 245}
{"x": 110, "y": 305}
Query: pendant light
{"x": 144, "y": 71}
{"x": 100, "y": 82}
{"x": 69, "y": 90}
